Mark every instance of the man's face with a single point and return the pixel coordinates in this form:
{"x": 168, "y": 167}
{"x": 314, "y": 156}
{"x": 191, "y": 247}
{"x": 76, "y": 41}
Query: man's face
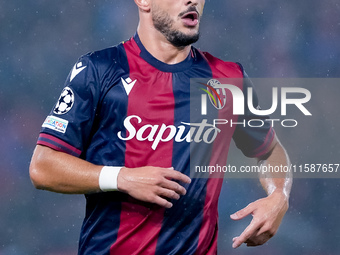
{"x": 177, "y": 20}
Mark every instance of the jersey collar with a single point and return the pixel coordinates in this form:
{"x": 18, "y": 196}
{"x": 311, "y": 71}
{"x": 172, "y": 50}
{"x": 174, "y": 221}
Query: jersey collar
{"x": 179, "y": 67}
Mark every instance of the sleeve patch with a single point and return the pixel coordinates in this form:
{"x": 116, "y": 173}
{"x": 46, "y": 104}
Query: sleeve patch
{"x": 56, "y": 124}
{"x": 65, "y": 101}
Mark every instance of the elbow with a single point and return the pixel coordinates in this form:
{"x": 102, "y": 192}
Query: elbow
{"x": 36, "y": 176}
{"x": 38, "y": 168}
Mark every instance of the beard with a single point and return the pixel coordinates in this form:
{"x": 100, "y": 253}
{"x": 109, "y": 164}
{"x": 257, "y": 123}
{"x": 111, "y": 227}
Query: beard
{"x": 164, "y": 24}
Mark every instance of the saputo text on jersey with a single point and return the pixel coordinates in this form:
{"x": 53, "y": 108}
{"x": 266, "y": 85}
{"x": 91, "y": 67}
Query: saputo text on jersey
{"x": 189, "y": 132}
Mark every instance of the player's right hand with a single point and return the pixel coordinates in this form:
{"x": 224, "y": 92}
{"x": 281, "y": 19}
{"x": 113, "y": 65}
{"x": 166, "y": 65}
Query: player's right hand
{"x": 152, "y": 184}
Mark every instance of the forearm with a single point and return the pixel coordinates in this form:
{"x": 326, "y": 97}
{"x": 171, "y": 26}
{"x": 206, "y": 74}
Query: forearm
{"x": 276, "y": 181}
{"x": 59, "y": 172}
{"x": 267, "y": 212}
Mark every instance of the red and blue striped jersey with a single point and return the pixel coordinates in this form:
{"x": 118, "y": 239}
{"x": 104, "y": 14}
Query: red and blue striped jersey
{"x": 113, "y": 107}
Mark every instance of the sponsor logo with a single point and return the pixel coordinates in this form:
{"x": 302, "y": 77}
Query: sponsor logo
{"x": 77, "y": 68}
{"x": 128, "y": 84}
{"x": 189, "y": 132}
{"x": 56, "y": 124}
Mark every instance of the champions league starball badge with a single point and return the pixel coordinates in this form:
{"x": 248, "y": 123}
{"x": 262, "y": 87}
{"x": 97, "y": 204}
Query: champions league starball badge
{"x": 65, "y": 101}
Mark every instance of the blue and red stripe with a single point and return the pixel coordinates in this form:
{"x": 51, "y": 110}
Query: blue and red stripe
{"x": 141, "y": 222}
{"x": 57, "y": 144}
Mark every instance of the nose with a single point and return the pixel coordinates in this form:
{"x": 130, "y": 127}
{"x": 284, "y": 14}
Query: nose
{"x": 193, "y": 3}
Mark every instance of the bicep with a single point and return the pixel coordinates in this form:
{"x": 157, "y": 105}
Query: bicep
{"x": 60, "y": 172}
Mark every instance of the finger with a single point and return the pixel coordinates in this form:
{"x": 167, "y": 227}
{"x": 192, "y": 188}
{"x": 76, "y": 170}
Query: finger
{"x": 252, "y": 240}
{"x": 168, "y": 193}
{"x": 246, "y": 234}
{"x": 255, "y": 243}
{"x": 267, "y": 231}
{"x": 171, "y": 185}
{"x": 162, "y": 202}
{"x": 257, "y": 240}
{"x": 242, "y": 213}
{"x": 261, "y": 237}
{"x": 176, "y": 175}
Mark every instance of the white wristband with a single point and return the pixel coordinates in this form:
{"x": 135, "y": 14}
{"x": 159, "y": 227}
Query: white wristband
{"x": 108, "y": 178}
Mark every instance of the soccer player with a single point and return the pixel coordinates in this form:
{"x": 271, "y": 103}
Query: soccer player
{"x": 119, "y": 134}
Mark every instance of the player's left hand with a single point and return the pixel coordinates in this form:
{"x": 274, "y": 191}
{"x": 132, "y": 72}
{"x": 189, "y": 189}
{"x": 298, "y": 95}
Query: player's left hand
{"x": 267, "y": 215}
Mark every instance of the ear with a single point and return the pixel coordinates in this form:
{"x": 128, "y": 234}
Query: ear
{"x": 143, "y": 5}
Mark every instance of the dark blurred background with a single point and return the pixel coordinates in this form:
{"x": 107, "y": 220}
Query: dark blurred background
{"x": 39, "y": 44}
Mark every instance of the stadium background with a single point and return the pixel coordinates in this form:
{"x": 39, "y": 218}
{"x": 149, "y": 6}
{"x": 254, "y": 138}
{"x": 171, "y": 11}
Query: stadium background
{"x": 41, "y": 40}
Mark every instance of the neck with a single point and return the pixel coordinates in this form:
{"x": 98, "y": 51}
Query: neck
{"x": 159, "y": 47}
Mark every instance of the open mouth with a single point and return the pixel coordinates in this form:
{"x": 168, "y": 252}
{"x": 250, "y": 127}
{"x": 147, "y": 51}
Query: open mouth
{"x": 190, "y": 19}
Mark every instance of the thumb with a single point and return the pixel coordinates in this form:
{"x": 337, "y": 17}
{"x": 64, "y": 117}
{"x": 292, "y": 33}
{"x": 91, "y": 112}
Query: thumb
{"x": 239, "y": 215}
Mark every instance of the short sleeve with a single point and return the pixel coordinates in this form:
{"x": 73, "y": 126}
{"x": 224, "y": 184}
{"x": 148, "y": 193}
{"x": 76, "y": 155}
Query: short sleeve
{"x": 69, "y": 124}
{"x": 253, "y": 134}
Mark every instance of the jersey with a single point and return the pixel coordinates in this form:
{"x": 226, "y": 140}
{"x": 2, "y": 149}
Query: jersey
{"x": 123, "y": 107}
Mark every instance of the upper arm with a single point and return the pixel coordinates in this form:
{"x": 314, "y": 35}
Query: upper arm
{"x": 274, "y": 144}
{"x": 60, "y": 172}
{"x": 43, "y": 158}
{"x": 254, "y": 139}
